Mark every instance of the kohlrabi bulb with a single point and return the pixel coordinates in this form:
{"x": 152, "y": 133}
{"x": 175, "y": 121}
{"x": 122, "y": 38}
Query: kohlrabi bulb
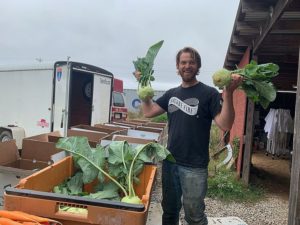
{"x": 132, "y": 200}
{"x": 222, "y": 78}
{"x": 145, "y": 93}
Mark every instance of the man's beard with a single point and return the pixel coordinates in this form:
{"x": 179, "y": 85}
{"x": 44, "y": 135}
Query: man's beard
{"x": 188, "y": 79}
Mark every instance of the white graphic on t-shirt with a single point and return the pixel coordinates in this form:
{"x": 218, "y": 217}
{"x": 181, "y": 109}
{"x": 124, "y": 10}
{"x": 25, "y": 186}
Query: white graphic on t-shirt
{"x": 188, "y": 106}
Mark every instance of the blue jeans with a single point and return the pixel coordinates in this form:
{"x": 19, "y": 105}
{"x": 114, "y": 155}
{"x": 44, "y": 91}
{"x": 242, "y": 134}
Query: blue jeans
{"x": 188, "y": 183}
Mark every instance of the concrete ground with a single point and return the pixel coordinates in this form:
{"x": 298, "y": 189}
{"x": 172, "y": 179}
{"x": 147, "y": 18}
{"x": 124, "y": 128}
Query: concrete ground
{"x": 155, "y": 212}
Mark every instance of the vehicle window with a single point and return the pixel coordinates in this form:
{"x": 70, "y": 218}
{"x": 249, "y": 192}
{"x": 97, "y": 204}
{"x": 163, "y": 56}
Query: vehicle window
{"x": 118, "y": 99}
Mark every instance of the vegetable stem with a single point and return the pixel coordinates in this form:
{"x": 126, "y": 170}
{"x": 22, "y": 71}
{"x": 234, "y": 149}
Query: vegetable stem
{"x": 123, "y": 160}
{"x": 130, "y": 178}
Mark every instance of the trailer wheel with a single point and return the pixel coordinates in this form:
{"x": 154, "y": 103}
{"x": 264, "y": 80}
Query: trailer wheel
{"x": 5, "y": 136}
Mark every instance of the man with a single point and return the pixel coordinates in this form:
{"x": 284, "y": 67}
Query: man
{"x": 191, "y": 107}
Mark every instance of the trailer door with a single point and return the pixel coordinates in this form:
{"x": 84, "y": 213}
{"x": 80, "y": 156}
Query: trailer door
{"x": 60, "y": 100}
{"x": 102, "y": 91}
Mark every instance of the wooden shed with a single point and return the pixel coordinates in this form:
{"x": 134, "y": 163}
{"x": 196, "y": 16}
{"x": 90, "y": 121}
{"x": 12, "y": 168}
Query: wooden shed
{"x": 268, "y": 31}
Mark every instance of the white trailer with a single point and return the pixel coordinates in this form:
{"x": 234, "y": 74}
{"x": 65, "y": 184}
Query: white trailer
{"x": 43, "y": 98}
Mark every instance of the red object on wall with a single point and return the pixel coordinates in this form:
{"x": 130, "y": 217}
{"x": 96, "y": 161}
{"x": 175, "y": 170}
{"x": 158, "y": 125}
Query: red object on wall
{"x": 240, "y": 106}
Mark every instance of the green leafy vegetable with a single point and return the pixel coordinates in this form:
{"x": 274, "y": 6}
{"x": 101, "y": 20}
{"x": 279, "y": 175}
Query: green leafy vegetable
{"x": 122, "y": 166}
{"x": 145, "y": 66}
{"x": 256, "y": 84}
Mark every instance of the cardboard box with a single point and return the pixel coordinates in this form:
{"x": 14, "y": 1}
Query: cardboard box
{"x": 160, "y": 131}
{"x": 101, "y": 128}
{"x": 123, "y": 124}
{"x": 164, "y": 126}
{"x": 40, "y": 147}
{"x": 133, "y": 141}
{"x": 143, "y": 121}
{"x": 143, "y": 134}
{"x": 13, "y": 167}
{"x": 94, "y": 137}
{"x": 33, "y": 195}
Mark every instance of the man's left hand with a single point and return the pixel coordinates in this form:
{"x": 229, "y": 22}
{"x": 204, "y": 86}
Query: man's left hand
{"x": 236, "y": 81}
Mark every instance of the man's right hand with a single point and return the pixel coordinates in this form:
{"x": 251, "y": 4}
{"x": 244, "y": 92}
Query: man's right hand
{"x": 137, "y": 75}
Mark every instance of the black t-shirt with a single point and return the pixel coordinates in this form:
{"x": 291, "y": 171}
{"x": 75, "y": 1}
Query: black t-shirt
{"x": 190, "y": 114}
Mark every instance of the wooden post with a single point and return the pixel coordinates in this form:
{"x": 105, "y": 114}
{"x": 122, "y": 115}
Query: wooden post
{"x": 294, "y": 198}
{"x": 248, "y": 142}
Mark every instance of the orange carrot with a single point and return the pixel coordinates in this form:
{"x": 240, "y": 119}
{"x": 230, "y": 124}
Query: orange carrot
{"x": 6, "y": 221}
{"x": 32, "y": 218}
{"x": 37, "y": 218}
{"x": 13, "y": 215}
{"x": 30, "y": 223}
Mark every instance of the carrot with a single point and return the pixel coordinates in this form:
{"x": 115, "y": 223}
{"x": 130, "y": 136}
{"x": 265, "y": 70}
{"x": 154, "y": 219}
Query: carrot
{"x": 6, "y": 221}
{"x": 30, "y": 223}
{"x": 14, "y": 215}
{"x": 37, "y": 218}
{"x": 25, "y": 217}
{"x": 32, "y": 218}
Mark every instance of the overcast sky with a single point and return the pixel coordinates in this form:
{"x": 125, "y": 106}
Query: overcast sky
{"x": 111, "y": 34}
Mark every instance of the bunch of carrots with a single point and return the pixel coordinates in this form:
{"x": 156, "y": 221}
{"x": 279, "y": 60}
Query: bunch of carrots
{"x": 22, "y": 218}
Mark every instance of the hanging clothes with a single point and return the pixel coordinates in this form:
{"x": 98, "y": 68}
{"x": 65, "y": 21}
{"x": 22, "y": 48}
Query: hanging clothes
{"x": 279, "y": 127}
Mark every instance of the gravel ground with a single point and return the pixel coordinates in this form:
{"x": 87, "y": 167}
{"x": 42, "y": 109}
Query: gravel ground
{"x": 270, "y": 210}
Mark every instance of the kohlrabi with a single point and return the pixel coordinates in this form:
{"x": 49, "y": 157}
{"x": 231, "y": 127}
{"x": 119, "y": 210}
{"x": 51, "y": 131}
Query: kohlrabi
{"x": 121, "y": 167}
{"x": 256, "y": 81}
{"x": 145, "y": 66}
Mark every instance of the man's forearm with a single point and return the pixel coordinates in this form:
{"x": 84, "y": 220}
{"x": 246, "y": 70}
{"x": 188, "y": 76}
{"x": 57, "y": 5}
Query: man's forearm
{"x": 226, "y": 117}
{"x": 147, "y": 108}
{"x": 151, "y": 109}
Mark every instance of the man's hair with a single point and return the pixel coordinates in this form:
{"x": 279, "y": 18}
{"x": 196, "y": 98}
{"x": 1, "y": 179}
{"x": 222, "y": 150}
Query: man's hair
{"x": 195, "y": 55}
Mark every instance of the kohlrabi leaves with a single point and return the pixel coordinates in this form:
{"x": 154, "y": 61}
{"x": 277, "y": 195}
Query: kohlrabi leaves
{"x": 83, "y": 154}
{"x": 122, "y": 166}
{"x": 145, "y": 66}
{"x": 71, "y": 186}
{"x": 257, "y": 82}
{"x": 155, "y": 151}
{"x": 105, "y": 194}
{"x": 266, "y": 90}
{"x": 152, "y": 52}
{"x": 119, "y": 152}
{"x": 75, "y": 183}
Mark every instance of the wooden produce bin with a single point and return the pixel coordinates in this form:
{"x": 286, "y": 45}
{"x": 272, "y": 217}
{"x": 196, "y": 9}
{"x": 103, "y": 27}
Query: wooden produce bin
{"x": 33, "y": 195}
